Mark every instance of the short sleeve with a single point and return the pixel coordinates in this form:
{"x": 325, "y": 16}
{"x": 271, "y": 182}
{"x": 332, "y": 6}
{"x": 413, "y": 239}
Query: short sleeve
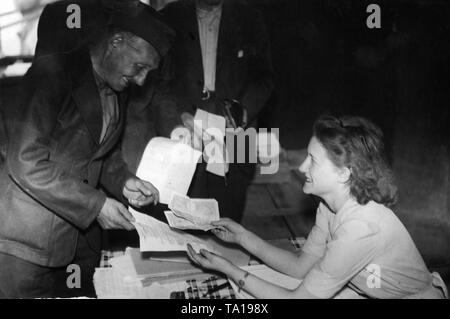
{"x": 353, "y": 247}
{"x": 317, "y": 239}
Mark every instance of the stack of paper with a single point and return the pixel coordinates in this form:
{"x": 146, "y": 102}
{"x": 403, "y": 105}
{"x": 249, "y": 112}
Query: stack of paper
{"x": 187, "y": 213}
{"x": 122, "y": 280}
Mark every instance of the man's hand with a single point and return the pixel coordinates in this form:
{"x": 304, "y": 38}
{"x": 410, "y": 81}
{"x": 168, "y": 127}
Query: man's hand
{"x": 186, "y": 133}
{"x": 140, "y": 192}
{"x": 114, "y": 215}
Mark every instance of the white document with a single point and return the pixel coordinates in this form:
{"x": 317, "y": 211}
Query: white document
{"x": 197, "y": 210}
{"x": 123, "y": 265}
{"x": 182, "y": 223}
{"x": 17, "y": 69}
{"x": 158, "y": 236}
{"x": 268, "y": 274}
{"x": 169, "y": 165}
{"x": 110, "y": 284}
{"x": 215, "y": 151}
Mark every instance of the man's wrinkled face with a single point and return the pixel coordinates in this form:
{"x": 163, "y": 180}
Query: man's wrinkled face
{"x": 128, "y": 60}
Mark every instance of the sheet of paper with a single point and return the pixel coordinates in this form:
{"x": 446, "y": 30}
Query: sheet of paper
{"x": 182, "y": 223}
{"x": 175, "y": 257}
{"x": 17, "y": 69}
{"x": 215, "y": 151}
{"x": 205, "y": 209}
{"x": 158, "y": 236}
{"x": 200, "y": 211}
{"x": 169, "y": 165}
{"x": 123, "y": 265}
{"x": 182, "y": 205}
{"x": 110, "y": 284}
{"x": 232, "y": 252}
{"x": 269, "y": 275}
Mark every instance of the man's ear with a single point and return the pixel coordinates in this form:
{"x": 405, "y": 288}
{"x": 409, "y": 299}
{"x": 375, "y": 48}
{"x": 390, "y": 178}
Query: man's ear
{"x": 116, "y": 39}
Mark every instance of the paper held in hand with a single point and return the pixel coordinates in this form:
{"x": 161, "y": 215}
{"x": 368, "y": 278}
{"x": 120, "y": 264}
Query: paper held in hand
{"x": 188, "y": 213}
{"x": 158, "y": 236}
{"x": 181, "y": 223}
{"x": 215, "y": 150}
{"x": 169, "y": 165}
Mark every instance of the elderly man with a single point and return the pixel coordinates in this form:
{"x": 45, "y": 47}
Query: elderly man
{"x": 151, "y": 111}
{"x": 50, "y": 205}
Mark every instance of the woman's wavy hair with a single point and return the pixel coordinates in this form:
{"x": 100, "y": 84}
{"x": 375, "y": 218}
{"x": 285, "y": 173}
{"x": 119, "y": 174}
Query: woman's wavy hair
{"x": 357, "y": 143}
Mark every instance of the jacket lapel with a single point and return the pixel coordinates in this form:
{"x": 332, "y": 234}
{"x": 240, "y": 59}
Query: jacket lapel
{"x": 85, "y": 92}
{"x": 227, "y": 35}
{"x": 87, "y": 99}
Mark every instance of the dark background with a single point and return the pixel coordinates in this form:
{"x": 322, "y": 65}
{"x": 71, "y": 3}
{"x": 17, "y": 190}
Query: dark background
{"x": 327, "y": 60}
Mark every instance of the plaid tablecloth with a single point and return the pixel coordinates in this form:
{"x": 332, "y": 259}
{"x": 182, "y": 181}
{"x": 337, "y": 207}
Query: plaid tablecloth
{"x": 214, "y": 287}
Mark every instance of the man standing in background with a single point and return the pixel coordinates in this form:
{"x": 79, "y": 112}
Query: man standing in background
{"x": 221, "y": 53}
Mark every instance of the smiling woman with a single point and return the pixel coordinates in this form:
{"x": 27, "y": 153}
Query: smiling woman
{"x": 357, "y": 247}
{"x": 356, "y": 144}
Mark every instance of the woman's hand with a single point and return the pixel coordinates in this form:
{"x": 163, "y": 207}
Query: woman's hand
{"x": 229, "y": 231}
{"x": 209, "y": 260}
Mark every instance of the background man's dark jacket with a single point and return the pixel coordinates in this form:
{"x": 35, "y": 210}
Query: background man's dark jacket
{"x": 244, "y": 69}
{"x": 243, "y": 72}
{"x": 55, "y": 162}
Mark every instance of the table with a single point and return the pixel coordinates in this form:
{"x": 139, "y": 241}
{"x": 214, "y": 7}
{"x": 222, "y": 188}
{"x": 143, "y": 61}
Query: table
{"x": 196, "y": 286}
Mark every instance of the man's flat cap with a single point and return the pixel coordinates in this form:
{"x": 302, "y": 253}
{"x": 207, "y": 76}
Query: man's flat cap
{"x": 146, "y": 23}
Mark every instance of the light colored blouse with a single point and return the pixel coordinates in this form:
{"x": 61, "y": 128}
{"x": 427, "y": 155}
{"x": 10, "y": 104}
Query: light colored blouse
{"x": 366, "y": 248}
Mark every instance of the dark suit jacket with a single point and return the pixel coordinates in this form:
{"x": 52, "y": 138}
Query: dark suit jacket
{"x": 48, "y": 188}
{"x": 244, "y": 70}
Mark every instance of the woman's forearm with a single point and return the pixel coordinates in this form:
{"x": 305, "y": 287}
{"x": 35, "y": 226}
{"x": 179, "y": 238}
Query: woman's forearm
{"x": 279, "y": 259}
{"x": 259, "y": 288}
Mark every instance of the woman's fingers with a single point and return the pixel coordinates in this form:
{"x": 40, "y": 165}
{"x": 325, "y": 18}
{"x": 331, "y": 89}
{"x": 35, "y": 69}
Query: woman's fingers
{"x": 205, "y": 254}
{"x": 223, "y": 222}
{"x": 198, "y": 258}
{"x": 192, "y": 254}
{"x": 189, "y": 252}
